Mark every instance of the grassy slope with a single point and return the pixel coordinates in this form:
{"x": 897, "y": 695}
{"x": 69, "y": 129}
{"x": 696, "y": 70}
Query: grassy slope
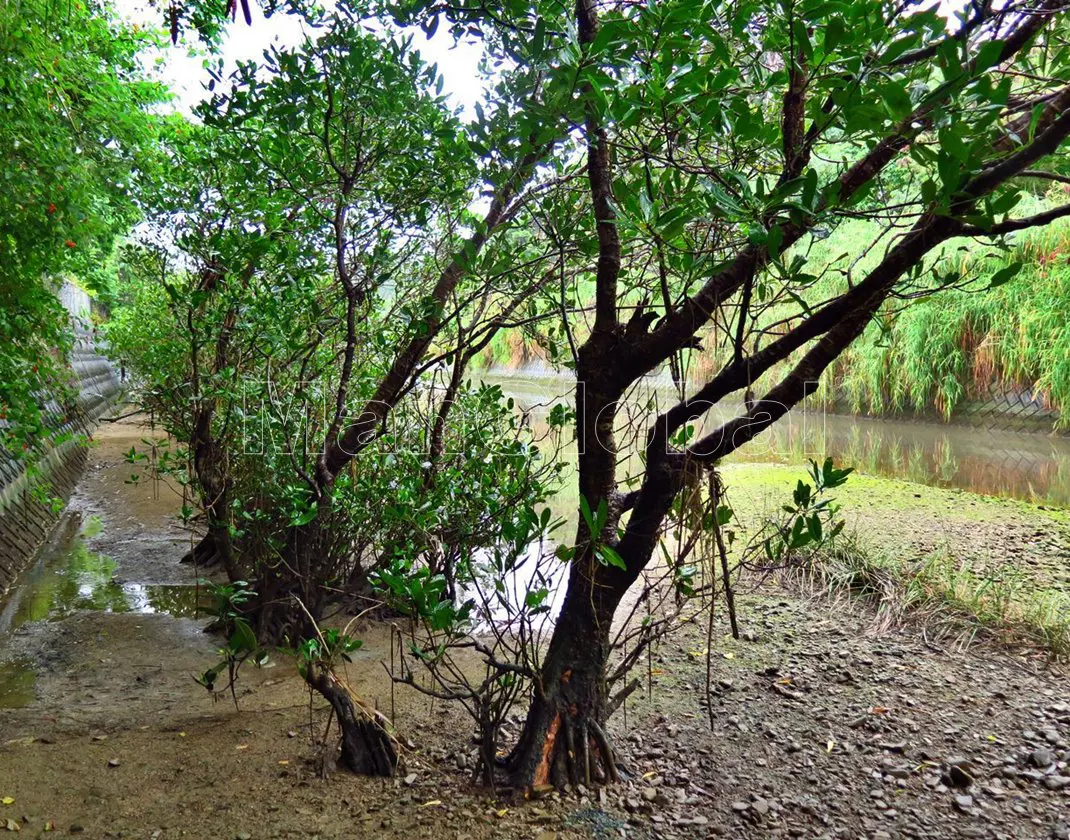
{"x": 963, "y": 564}
{"x": 963, "y": 344}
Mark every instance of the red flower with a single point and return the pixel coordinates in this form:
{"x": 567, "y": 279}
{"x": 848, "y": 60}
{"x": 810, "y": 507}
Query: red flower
{"x": 70, "y": 243}
{"x": 51, "y": 208}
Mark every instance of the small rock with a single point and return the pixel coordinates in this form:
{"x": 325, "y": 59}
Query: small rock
{"x": 410, "y": 780}
{"x": 1056, "y": 782}
{"x": 243, "y": 835}
{"x": 1041, "y": 757}
{"x": 740, "y": 806}
{"x": 964, "y": 802}
{"x": 957, "y": 773}
{"x": 113, "y": 762}
{"x": 649, "y": 794}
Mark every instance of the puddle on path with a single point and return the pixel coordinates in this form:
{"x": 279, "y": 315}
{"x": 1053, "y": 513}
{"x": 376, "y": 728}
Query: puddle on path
{"x": 17, "y": 679}
{"x": 69, "y": 577}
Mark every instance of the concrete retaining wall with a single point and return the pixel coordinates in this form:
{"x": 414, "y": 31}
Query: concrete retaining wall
{"x": 33, "y": 490}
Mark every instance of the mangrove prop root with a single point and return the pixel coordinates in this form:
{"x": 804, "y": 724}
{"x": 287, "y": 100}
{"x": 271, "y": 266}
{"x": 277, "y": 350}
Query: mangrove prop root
{"x": 368, "y": 747}
{"x": 204, "y": 553}
{"x": 576, "y": 749}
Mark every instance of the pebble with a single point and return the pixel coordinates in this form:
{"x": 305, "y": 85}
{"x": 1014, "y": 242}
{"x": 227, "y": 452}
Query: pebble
{"x": 957, "y": 775}
{"x": 1041, "y": 757}
{"x": 964, "y": 802}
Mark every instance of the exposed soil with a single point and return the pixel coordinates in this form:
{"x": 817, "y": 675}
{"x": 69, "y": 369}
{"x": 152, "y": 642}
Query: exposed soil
{"x": 820, "y": 726}
{"x": 909, "y": 520}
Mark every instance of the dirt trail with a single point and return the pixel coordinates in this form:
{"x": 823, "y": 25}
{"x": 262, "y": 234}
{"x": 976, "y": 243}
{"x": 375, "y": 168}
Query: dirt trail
{"x": 820, "y": 727}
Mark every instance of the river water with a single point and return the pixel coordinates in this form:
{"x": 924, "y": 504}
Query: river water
{"x": 1030, "y": 466}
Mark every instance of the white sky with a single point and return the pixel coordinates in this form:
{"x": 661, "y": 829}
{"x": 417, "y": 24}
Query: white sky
{"x": 184, "y": 72}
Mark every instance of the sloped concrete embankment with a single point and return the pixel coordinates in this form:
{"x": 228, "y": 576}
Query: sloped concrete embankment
{"x": 34, "y": 487}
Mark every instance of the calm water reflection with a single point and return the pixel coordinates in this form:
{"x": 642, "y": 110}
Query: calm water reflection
{"x": 17, "y": 681}
{"x": 69, "y": 577}
{"x": 1021, "y": 465}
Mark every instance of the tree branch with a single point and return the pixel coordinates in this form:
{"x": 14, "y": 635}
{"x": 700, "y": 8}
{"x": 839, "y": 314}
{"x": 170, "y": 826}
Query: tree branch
{"x": 1012, "y": 225}
{"x": 1047, "y": 176}
{"x": 600, "y": 177}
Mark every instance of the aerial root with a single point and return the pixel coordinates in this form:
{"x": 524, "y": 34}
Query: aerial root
{"x": 368, "y": 746}
{"x": 576, "y": 750}
{"x": 204, "y": 553}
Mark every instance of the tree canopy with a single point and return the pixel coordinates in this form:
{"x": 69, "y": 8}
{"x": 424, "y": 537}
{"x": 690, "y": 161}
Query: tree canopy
{"x": 332, "y": 249}
{"x": 77, "y": 137}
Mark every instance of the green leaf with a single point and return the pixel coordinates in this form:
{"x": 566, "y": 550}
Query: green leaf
{"x": 896, "y": 98}
{"x": 834, "y": 30}
{"x": 989, "y": 54}
{"x": 1004, "y": 275}
{"x": 538, "y": 37}
{"x": 303, "y": 517}
{"x": 609, "y": 557}
{"x": 242, "y": 637}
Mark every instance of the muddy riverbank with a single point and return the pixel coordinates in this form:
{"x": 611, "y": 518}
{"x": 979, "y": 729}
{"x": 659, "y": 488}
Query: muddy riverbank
{"x": 821, "y": 726}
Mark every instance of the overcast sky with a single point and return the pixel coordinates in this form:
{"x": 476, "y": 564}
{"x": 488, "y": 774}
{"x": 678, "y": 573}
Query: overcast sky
{"x": 186, "y": 76}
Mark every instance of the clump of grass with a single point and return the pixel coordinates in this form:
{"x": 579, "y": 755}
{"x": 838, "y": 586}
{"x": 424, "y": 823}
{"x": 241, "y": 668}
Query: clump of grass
{"x": 511, "y": 349}
{"x": 966, "y": 344}
{"x": 950, "y": 600}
